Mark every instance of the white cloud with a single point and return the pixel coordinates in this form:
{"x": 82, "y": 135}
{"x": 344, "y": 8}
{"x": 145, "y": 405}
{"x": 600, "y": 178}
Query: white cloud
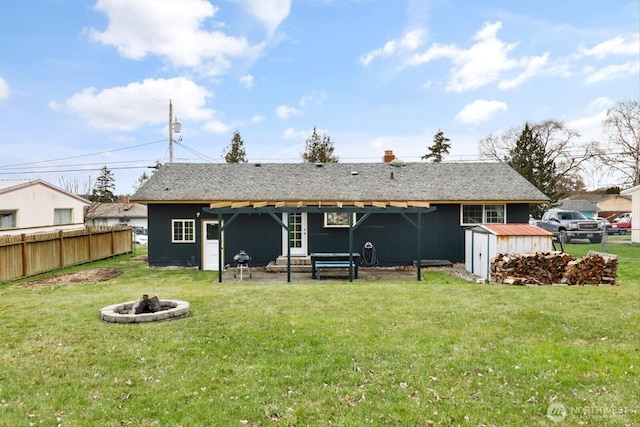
{"x": 480, "y": 111}
{"x": 601, "y": 102}
{"x": 257, "y": 118}
{"x": 286, "y": 112}
{"x": 270, "y": 13}
{"x": 616, "y": 46}
{"x": 170, "y": 30}
{"x": 611, "y": 72}
{"x": 486, "y": 61}
{"x": 247, "y": 81}
{"x": 410, "y": 41}
{"x": 291, "y": 133}
{"x": 532, "y": 67}
{"x": 126, "y": 108}
{"x": 4, "y": 89}
{"x": 216, "y": 126}
{"x": 316, "y": 97}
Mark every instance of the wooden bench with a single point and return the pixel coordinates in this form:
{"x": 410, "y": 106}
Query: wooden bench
{"x": 333, "y": 264}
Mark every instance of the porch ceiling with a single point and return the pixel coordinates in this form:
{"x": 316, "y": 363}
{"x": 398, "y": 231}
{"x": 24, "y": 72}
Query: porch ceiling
{"x": 257, "y": 204}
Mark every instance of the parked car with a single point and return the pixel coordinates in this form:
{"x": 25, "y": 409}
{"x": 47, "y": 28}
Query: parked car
{"x": 620, "y": 225}
{"x": 604, "y": 222}
{"x": 566, "y": 225}
{"x": 140, "y": 236}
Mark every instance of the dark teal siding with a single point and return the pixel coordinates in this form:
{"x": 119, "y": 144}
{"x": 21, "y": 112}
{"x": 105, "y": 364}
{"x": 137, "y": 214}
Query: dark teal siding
{"x": 257, "y": 234}
{"x": 161, "y": 251}
{"x": 394, "y": 238}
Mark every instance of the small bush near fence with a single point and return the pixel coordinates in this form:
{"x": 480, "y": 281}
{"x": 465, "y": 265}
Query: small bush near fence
{"x": 30, "y": 254}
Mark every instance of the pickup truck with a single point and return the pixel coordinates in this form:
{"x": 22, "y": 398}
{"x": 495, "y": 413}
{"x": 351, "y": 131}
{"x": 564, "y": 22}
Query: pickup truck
{"x": 567, "y": 225}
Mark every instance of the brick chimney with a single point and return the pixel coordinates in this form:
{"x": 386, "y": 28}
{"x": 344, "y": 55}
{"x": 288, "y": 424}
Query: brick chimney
{"x": 388, "y": 156}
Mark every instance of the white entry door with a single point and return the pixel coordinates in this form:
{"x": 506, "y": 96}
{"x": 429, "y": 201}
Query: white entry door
{"x": 297, "y": 236}
{"x": 210, "y": 260}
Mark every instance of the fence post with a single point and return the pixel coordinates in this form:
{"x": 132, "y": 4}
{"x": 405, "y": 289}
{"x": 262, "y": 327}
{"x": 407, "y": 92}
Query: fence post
{"x": 24, "y": 255}
{"x": 61, "y": 245}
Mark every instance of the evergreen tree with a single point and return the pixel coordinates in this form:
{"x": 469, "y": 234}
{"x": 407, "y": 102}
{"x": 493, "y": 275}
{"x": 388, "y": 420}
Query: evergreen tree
{"x": 235, "y": 152}
{"x": 441, "y": 146}
{"x": 531, "y": 160}
{"x": 104, "y": 187}
{"x": 319, "y": 150}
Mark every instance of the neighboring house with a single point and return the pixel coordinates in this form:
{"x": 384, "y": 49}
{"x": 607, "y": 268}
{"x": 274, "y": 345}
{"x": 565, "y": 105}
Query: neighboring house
{"x": 614, "y": 205}
{"x": 132, "y": 214}
{"x": 203, "y": 214}
{"x": 634, "y": 193}
{"x": 32, "y": 206}
{"x": 581, "y": 205}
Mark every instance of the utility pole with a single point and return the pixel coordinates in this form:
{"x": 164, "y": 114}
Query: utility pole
{"x": 170, "y": 132}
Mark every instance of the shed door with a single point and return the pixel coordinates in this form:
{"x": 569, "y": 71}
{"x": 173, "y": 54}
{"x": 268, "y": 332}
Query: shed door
{"x": 210, "y": 259}
{"x": 481, "y": 255}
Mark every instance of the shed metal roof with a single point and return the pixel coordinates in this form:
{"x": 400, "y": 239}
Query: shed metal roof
{"x": 513, "y": 230}
{"x": 330, "y": 183}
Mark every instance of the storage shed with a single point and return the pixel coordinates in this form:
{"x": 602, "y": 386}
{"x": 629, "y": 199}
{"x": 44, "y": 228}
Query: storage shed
{"x": 484, "y": 241}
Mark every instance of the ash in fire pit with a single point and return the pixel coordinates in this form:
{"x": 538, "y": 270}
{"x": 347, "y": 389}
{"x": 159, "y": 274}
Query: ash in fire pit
{"x": 145, "y": 309}
{"x": 146, "y": 305}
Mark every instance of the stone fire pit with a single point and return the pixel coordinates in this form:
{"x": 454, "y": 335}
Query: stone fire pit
{"x": 143, "y": 310}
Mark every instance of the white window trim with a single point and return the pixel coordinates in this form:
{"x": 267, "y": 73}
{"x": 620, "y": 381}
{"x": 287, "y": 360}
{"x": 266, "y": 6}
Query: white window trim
{"x": 484, "y": 213}
{"x": 183, "y": 221}
{"x": 327, "y": 224}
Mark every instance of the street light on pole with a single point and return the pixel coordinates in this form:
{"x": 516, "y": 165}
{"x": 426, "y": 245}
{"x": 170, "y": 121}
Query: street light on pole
{"x": 174, "y": 126}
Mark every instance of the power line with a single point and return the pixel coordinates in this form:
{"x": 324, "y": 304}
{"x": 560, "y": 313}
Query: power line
{"x": 74, "y": 170}
{"x": 81, "y": 155}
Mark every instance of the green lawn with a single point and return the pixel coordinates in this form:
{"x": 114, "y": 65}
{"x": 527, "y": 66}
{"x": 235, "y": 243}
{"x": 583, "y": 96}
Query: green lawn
{"x": 437, "y": 352}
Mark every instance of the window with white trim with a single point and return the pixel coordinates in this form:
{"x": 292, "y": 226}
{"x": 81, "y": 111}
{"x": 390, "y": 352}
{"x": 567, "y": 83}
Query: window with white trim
{"x": 62, "y": 216}
{"x": 483, "y": 214}
{"x": 183, "y": 230}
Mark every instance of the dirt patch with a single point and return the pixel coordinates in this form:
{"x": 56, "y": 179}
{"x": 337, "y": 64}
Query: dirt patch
{"x": 85, "y": 276}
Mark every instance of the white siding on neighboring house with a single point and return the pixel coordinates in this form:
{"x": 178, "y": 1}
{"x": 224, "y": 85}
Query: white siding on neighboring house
{"x": 32, "y": 206}
{"x": 634, "y": 192}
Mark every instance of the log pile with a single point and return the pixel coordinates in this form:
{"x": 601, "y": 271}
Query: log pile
{"x": 594, "y": 269}
{"x": 546, "y": 268}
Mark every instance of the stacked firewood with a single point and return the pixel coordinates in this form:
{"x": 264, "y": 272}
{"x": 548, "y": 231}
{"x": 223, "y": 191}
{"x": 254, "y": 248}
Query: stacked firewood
{"x": 546, "y": 268}
{"x": 594, "y": 269}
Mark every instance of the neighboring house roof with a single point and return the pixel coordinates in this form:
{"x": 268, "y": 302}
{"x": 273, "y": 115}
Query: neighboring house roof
{"x": 614, "y": 196}
{"x": 120, "y": 210}
{"x": 314, "y": 184}
{"x": 630, "y": 191}
{"x": 9, "y": 185}
{"x": 579, "y": 205}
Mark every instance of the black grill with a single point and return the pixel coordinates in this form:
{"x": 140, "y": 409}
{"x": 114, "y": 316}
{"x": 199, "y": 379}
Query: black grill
{"x": 242, "y": 261}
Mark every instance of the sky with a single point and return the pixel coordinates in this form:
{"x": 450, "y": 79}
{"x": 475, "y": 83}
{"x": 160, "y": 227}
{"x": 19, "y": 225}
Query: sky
{"x": 87, "y": 84}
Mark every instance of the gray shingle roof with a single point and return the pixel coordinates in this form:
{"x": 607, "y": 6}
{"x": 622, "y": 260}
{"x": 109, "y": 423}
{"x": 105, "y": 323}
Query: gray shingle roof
{"x": 581, "y": 205}
{"x": 432, "y": 182}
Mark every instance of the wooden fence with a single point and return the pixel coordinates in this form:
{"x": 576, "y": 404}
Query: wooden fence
{"x": 30, "y": 254}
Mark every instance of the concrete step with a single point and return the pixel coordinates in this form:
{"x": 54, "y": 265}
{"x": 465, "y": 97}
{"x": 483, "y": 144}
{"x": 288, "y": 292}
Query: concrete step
{"x": 295, "y": 260}
{"x": 274, "y": 267}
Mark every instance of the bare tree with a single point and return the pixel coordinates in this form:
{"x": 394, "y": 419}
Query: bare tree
{"x": 82, "y": 190}
{"x": 560, "y": 145}
{"x": 621, "y": 151}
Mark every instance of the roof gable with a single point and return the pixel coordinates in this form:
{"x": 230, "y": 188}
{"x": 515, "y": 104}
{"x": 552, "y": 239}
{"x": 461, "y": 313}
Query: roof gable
{"x": 7, "y": 186}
